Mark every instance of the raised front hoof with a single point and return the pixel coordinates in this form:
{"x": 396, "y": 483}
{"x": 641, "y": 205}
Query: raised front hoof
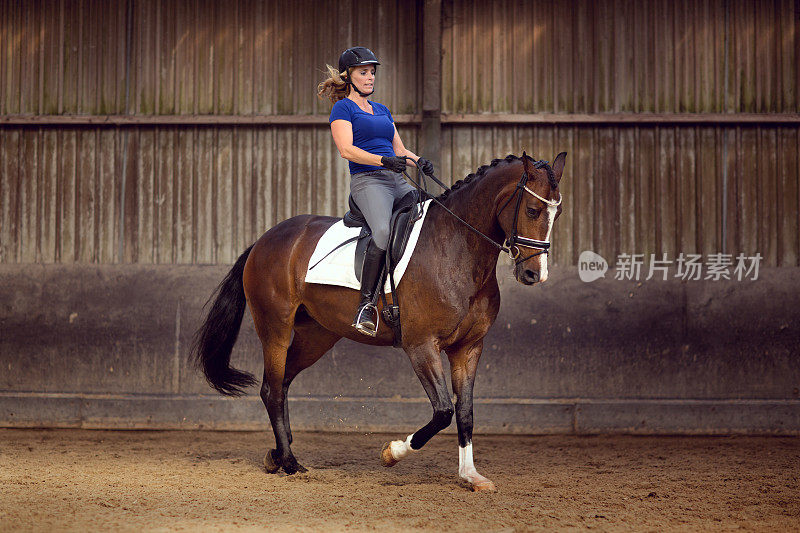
{"x": 272, "y": 464}
{"x": 387, "y": 459}
{"x": 483, "y": 486}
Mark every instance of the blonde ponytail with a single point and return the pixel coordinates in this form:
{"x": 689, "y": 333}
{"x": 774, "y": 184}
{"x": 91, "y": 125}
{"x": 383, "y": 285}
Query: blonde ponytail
{"x": 334, "y": 87}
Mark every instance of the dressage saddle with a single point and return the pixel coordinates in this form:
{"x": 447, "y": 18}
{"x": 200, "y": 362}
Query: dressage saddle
{"x": 405, "y": 212}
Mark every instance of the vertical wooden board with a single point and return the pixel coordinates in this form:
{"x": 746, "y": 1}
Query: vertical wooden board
{"x": 788, "y": 49}
{"x": 110, "y": 36}
{"x": 303, "y": 182}
{"x": 644, "y": 58}
{"x": 70, "y": 60}
{"x": 184, "y": 203}
{"x": 285, "y": 172}
{"x": 18, "y": 35}
{"x": 665, "y": 52}
{"x": 462, "y": 152}
{"x": 90, "y": 50}
{"x": 687, "y": 200}
{"x": 145, "y": 194}
{"x": 408, "y": 78}
{"x": 164, "y": 145}
{"x": 9, "y": 195}
{"x": 85, "y": 201}
{"x": 448, "y": 58}
{"x": 185, "y": 36}
{"x": 584, "y": 62}
{"x": 446, "y": 169}
{"x": 49, "y": 66}
{"x": 627, "y": 159}
{"x": 28, "y": 194}
{"x": 645, "y": 193}
{"x": 243, "y": 171}
{"x": 604, "y": 202}
{"x": 764, "y": 20}
{"x": 603, "y": 96}
{"x": 49, "y": 190}
{"x": 504, "y": 141}
{"x": 767, "y": 200}
{"x": 668, "y": 193}
{"x": 204, "y": 43}
{"x": 709, "y": 47}
{"x": 320, "y": 180}
{"x": 750, "y": 85}
{"x": 749, "y": 190}
{"x": 551, "y": 141}
{"x": 206, "y": 216}
{"x": 107, "y": 179}
{"x": 225, "y": 197}
{"x": 564, "y": 72}
{"x": 29, "y": 50}
{"x": 624, "y": 47}
{"x": 788, "y": 194}
{"x": 224, "y": 58}
{"x": 244, "y": 42}
{"x": 65, "y": 203}
{"x": 282, "y": 62}
{"x": 483, "y": 20}
{"x": 164, "y": 58}
{"x": 583, "y": 221}
{"x": 265, "y": 168}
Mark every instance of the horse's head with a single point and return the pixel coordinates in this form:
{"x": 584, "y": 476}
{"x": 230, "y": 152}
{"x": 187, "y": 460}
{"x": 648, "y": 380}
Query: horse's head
{"x": 529, "y": 209}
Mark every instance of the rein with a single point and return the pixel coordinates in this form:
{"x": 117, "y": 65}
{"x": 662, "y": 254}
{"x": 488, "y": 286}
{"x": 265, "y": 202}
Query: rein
{"x": 511, "y": 244}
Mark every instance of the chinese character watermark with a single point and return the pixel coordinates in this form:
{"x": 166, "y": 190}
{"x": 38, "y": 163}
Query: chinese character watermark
{"x": 688, "y": 267}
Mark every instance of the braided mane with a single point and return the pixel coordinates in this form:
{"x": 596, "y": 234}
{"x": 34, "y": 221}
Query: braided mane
{"x": 551, "y": 177}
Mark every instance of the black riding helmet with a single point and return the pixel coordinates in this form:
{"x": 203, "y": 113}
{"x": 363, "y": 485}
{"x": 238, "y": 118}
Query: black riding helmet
{"x": 356, "y": 57}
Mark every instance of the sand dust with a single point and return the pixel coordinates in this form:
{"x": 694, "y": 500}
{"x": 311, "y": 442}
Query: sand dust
{"x": 78, "y": 480}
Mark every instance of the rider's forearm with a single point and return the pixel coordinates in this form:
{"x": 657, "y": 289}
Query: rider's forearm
{"x": 357, "y": 155}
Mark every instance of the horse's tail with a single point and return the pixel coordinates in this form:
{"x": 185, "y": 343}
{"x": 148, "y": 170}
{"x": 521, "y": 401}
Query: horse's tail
{"x": 213, "y": 342}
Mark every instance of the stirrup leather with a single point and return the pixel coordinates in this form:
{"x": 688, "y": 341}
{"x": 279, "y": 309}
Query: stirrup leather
{"x": 362, "y": 328}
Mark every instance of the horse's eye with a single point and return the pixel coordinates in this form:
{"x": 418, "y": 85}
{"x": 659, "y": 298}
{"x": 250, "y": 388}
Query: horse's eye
{"x": 533, "y": 213}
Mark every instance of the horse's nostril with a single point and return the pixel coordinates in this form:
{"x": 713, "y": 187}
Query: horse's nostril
{"x": 531, "y": 275}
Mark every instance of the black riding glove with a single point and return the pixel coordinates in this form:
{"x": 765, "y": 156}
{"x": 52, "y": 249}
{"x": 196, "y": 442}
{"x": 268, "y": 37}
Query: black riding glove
{"x": 426, "y": 166}
{"x": 394, "y": 163}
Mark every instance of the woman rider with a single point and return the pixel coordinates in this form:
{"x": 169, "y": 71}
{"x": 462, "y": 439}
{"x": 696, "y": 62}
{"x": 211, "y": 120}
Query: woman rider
{"x": 365, "y": 134}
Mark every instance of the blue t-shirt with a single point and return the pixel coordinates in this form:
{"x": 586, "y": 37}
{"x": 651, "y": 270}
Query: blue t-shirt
{"x": 373, "y": 133}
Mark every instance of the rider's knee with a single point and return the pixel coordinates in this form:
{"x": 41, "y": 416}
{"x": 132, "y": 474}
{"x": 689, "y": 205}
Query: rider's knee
{"x": 380, "y": 234}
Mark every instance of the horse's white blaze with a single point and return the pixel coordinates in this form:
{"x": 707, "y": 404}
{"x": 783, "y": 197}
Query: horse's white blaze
{"x": 400, "y": 448}
{"x": 552, "y": 210}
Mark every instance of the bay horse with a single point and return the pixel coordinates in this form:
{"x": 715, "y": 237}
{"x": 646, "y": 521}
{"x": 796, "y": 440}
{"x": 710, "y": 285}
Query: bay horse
{"x": 449, "y": 295}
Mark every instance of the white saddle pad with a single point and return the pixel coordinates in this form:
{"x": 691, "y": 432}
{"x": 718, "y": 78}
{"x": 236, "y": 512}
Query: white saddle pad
{"x": 338, "y": 268}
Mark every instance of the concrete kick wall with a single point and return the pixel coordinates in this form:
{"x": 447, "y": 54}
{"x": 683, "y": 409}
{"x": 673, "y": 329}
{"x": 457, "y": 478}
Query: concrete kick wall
{"x": 106, "y": 347}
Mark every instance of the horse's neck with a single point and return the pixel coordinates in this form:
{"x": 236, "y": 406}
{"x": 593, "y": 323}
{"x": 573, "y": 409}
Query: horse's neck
{"x": 475, "y": 204}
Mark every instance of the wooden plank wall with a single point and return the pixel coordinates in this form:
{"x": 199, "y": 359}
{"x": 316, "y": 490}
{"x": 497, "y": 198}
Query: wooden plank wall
{"x": 200, "y": 194}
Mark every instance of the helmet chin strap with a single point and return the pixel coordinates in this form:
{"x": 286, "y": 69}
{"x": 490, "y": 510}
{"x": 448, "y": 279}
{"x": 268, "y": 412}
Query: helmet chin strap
{"x": 353, "y": 85}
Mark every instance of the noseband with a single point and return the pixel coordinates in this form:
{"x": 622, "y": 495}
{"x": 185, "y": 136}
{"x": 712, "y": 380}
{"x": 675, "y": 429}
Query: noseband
{"x": 514, "y": 242}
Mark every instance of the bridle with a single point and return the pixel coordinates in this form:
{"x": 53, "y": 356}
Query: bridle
{"x": 512, "y": 244}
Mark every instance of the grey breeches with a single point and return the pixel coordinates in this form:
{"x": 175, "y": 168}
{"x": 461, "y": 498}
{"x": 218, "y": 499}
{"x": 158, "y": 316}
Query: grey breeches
{"x": 375, "y": 192}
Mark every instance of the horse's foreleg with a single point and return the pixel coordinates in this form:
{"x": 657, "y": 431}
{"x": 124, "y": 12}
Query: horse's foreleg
{"x": 428, "y": 367}
{"x": 463, "y": 367}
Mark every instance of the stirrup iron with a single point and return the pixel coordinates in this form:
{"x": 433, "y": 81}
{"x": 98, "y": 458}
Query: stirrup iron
{"x": 361, "y": 328}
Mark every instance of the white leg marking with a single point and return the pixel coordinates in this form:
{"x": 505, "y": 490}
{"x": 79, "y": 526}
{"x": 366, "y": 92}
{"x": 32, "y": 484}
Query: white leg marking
{"x": 401, "y": 448}
{"x": 466, "y": 468}
{"x": 551, "y": 216}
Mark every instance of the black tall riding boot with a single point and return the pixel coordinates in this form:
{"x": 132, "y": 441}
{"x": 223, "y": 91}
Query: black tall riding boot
{"x": 366, "y": 320}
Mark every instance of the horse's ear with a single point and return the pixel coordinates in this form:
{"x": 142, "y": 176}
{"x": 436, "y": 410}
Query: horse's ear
{"x": 558, "y": 165}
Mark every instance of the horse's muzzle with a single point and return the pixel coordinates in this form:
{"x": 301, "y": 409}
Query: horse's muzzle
{"x": 528, "y": 277}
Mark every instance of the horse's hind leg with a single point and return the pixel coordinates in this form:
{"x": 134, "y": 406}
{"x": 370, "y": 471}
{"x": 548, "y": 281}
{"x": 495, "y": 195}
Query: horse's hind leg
{"x": 310, "y": 343}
